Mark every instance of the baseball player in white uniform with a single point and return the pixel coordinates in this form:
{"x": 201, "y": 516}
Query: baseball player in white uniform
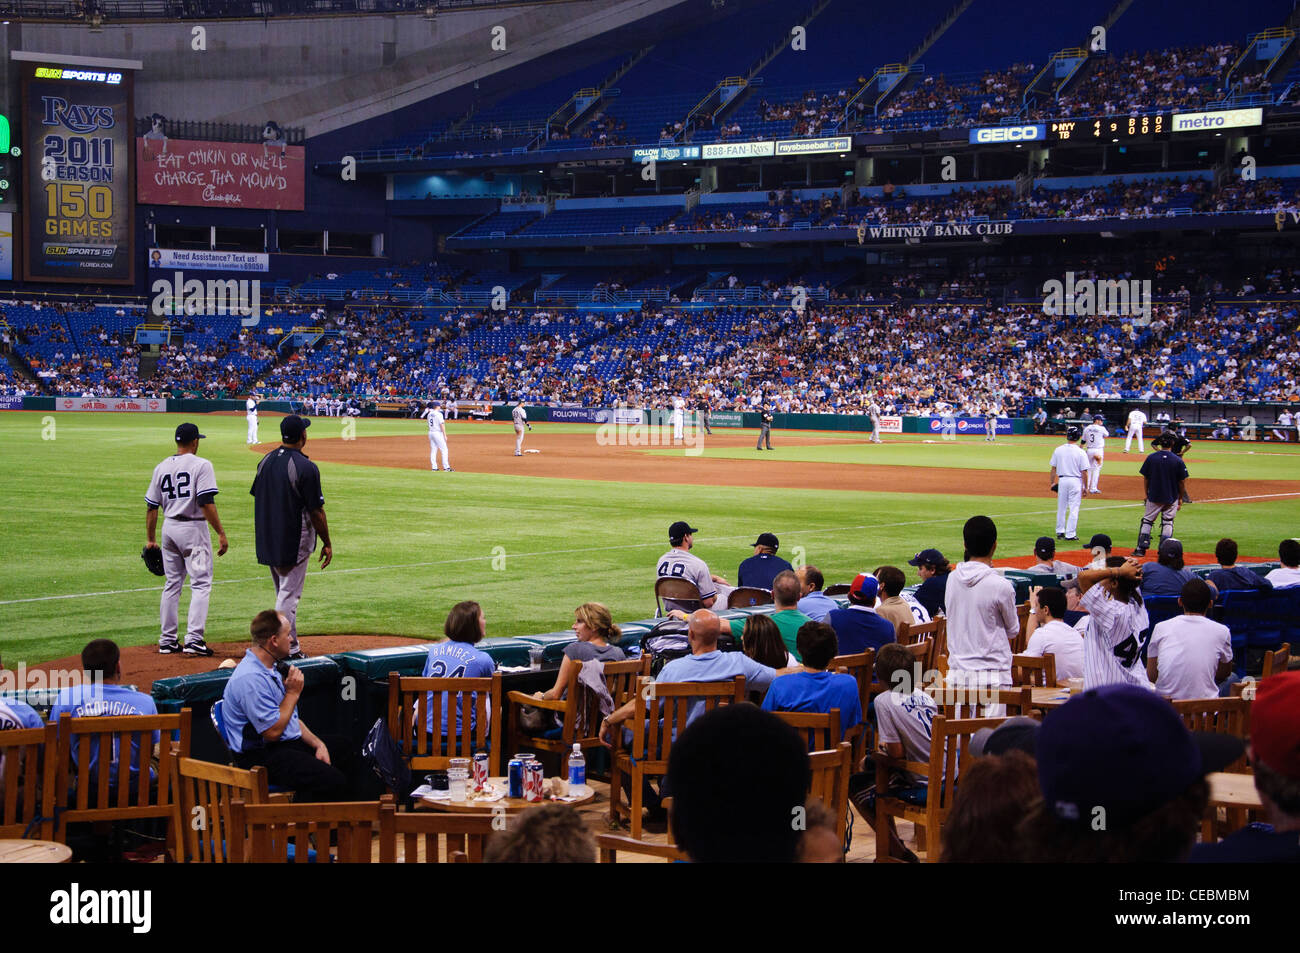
{"x": 437, "y": 438}
{"x": 873, "y": 411}
{"x": 991, "y": 423}
{"x": 678, "y": 418}
{"x": 1068, "y": 465}
{"x": 1136, "y": 421}
{"x": 184, "y": 486}
{"x": 1284, "y": 422}
{"x": 250, "y": 409}
{"x": 520, "y": 417}
{"x": 1094, "y": 442}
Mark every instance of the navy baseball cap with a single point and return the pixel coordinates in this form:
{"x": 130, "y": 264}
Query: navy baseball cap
{"x": 1100, "y": 539}
{"x": 187, "y": 433}
{"x": 1123, "y": 749}
{"x": 1045, "y": 547}
{"x": 767, "y": 539}
{"x": 864, "y": 586}
{"x": 1072, "y": 434}
{"x": 293, "y": 427}
{"x": 680, "y": 530}
{"x": 928, "y": 557}
{"x": 1097, "y": 418}
{"x": 1170, "y": 547}
{"x": 1015, "y": 734}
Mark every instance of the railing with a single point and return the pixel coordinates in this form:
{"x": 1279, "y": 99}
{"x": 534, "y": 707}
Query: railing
{"x": 238, "y": 9}
{"x": 216, "y": 131}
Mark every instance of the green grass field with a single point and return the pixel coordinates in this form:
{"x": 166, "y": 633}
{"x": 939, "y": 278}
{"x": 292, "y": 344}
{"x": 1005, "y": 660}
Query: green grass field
{"x": 408, "y": 544}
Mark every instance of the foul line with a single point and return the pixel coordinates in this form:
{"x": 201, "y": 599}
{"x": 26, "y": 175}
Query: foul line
{"x": 570, "y": 552}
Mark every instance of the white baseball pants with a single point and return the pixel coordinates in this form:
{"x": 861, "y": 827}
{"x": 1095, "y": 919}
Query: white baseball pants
{"x": 519, "y": 439}
{"x": 437, "y": 443}
{"x": 252, "y": 430}
{"x": 1128, "y": 442}
{"x": 875, "y": 430}
{"x": 1069, "y": 497}
{"x": 186, "y": 550}
{"x": 1095, "y": 458}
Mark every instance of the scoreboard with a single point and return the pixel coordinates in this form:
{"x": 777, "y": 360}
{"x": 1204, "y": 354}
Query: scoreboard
{"x": 1106, "y": 128}
{"x": 79, "y": 196}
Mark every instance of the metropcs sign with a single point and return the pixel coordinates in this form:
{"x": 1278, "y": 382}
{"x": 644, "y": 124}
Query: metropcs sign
{"x": 1035, "y": 132}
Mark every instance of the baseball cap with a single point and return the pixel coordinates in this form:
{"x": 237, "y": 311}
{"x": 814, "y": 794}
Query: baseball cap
{"x": 1097, "y": 418}
{"x": 767, "y": 539}
{"x": 1045, "y": 547}
{"x": 1072, "y": 434}
{"x": 1124, "y": 749}
{"x": 1170, "y": 547}
{"x": 927, "y": 557}
{"x": 1015, "y": 734}
{"x": 864, "y": 586}
{"x": 293, "y": 427}
{"x": 186, "y": 433}
{"x": 679, "y": 530}
{"x": 1100, "y": 539}
{"x": 1275, "y": 724}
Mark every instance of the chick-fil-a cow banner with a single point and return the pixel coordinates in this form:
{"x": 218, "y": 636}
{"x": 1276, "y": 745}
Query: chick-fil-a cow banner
{"x": 219, "y": 174}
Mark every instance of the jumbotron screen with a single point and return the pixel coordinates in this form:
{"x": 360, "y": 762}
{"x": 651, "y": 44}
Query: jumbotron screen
{"x": 80, "y": 194}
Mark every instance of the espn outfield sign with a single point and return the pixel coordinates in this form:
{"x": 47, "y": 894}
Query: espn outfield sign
{"x": 149, "y": 405}
{"x": 891, "y": 424}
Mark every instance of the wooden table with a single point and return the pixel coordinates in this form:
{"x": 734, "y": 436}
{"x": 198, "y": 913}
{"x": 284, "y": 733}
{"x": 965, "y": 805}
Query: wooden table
{"x": 1050, "y": 698}
{"x": 33, "y": 852}
{"x": 511, "y": 805}
{"x": 1233, "y": 790}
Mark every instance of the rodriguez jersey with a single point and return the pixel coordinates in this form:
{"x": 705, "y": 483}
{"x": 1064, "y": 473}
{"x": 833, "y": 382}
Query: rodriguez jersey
{"x": 1094, "y": 437}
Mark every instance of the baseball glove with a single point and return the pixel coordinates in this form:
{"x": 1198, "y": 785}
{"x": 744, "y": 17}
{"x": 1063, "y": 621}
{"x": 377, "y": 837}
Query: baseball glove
{"x": 152, "y": 557}
{"x": 1055, "y": 486}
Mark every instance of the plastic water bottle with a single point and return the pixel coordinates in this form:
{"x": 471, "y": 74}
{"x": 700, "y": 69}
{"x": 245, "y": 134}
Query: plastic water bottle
{"x": 577, "y": 771}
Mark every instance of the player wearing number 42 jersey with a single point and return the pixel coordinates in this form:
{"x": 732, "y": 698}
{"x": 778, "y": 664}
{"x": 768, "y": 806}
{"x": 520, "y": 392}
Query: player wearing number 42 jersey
{"x": 184, "y": 487}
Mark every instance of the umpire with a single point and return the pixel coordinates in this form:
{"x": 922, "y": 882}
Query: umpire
{"x": 765, "y": 433}
{"x": 1165, "y": 476}
{"x": 289, "y": 513}
{"x": 1177, "y": 444}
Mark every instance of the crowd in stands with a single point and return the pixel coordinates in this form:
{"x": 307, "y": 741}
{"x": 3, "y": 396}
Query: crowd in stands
{"x": 959, "y": 101}
{"x": 1155, "y": 81}
{"x": 813, "y": 114}
{"x": 1030, "y": 786}
{"x": 912, "y": 357}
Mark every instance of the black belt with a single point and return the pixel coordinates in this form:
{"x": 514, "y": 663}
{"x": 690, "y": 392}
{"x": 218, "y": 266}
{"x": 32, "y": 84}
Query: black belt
{"x": 187, "y": 519}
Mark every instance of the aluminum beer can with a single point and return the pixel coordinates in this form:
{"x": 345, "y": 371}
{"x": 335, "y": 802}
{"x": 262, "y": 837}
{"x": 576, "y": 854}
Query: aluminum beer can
{"x": 480, "y": 770}
{"x": 533, "y": 781}
{"x": 515, "y": 778}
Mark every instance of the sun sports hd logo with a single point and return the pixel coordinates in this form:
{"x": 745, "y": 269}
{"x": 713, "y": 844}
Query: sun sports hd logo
{"x": 77, "y": 907}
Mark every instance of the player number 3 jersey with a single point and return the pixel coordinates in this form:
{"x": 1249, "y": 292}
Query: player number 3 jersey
{"x": 177, "y": 484}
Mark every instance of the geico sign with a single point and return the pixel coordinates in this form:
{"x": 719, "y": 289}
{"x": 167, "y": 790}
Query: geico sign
{"x": 1007, "y": 134}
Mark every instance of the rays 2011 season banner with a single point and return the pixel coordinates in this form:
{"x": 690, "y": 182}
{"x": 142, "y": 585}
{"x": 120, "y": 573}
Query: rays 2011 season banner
{"x": 77, "y": 129}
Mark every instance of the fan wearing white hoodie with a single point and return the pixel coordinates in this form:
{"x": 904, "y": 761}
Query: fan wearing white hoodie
{"x": 981, "y": 607}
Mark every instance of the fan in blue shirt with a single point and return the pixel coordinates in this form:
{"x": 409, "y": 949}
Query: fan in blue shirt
{"x": 858, "y": 628}
{"x": 102, "y": 660}
{"x": 458, "y": 658}
{"x": 814, "y": 603}
{"x": 815, "y": 689}
{"x": 761, "y": 568}
{"x": 1231, "y": 576}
